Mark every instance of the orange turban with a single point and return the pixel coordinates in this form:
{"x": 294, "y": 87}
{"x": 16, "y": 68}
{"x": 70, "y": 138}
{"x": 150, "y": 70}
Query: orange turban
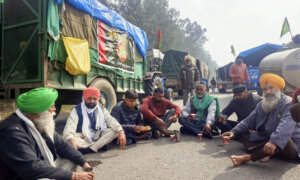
{"x": 91, "y": 92}
{"x": 272, "y": 79}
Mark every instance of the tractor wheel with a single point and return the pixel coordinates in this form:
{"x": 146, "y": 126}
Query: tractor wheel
{"x": 151, "y": 84}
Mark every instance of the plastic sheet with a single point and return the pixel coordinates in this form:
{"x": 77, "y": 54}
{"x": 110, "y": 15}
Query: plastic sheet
{"x": 113, "y": 19}
{"x": 78, "y": 60}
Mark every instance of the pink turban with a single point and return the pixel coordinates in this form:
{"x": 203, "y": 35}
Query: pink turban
{"x": 91, "y": 92}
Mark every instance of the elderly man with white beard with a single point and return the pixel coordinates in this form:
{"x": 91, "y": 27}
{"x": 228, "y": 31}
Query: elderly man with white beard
{"x": 269, "y": 130}
{"x": 29, "y": 146}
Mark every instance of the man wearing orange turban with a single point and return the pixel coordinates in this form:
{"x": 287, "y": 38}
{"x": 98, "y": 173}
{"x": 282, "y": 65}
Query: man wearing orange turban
{"x": 90, "y": 126}
{"x": 273, "y": 129}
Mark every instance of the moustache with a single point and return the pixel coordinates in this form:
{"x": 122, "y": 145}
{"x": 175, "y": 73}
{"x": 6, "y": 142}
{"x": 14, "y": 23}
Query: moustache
{"x": 90, "y": 105}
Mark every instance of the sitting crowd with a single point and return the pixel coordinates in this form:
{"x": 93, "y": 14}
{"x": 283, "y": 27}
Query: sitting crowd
{"x": 31, "y": 149}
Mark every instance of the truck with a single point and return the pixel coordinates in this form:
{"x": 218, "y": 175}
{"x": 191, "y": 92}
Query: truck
{"x": 172, "y": 61}
{"x": 223, "y": 79}
{"x": 37, "y": 36}
{"x": 252, "y": 58}
{"x": 286, "y": 64}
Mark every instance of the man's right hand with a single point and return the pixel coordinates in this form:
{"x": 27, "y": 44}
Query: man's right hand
{"x": 73, "y": 143}
{"x": 230, "y": 134}
{"x": 138, "y": 129}
{"x": 83, "y": 176}
{"x": 160, "y": 123}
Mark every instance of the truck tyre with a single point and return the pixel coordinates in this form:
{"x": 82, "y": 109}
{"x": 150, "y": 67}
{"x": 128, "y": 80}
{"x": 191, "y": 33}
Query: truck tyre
{"x": 58, "y": 106}
{"x": 169, "y": 93}
{"x": 151, "y": 84}
{"x": 108, "y": 96}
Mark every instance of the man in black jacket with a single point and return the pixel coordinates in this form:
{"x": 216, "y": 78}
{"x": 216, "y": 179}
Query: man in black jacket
{"x": 29, "y": 146}
{"x": 128, "y": 115}
{"x": 243, "y": 103}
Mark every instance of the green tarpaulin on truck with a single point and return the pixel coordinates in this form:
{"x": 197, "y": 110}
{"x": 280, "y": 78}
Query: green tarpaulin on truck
{"x": 171, "y": 63}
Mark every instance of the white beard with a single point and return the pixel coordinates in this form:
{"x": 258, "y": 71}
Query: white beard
{"x": 270, "y": 103}
{"x": 45, "y": 123}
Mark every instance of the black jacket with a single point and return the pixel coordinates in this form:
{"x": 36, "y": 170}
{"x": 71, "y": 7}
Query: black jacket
{"x": 20, "y": 157}
{"x": 128, "y": 118}
{"x": 244, "y": 109}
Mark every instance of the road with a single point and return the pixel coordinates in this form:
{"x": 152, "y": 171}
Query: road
{"x": 188, "y": 159}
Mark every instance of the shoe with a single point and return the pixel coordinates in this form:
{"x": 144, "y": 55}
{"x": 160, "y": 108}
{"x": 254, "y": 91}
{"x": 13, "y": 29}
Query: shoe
{"x": 156, "y": 134}
{"x": 104, "y": 148}
{"x": 177, "y": 135}
{"x": 86, "y": 151}
{"x": 183, "y": 130}
{"x": 215, "y": 133}
{"x": 146, "y": 135}
{"x": 209, "y": 136}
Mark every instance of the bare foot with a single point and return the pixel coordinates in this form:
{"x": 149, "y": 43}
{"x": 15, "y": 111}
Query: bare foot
{"x": 238, "y": 160}
{"x": 266, "y": 159}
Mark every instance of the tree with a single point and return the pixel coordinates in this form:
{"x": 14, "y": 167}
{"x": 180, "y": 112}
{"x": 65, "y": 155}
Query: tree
{"x": 177, "y": 33}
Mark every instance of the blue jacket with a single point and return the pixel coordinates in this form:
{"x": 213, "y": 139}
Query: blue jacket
{"x": 127, "y": 118}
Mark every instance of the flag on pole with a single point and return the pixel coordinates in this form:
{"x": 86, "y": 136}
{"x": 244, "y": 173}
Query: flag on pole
{"x": 232, "y": 50}
{"x": 285, "y": 27}
{"x": 159, "y": 38}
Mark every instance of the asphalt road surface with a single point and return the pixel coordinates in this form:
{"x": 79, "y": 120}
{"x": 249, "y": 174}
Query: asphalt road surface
{"x": 188, "y": 159}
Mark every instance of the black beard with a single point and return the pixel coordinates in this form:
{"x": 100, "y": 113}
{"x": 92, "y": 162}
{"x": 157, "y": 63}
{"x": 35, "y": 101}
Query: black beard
{"x": 240, "y": 101}
{"x": 90, "y": 105}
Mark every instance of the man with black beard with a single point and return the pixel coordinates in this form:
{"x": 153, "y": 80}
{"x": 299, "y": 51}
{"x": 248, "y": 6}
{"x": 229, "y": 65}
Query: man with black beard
{"x": 90, "y": 126}
{"x": 160, "y": 113}
{"x": 188, "y": 75}
{"x": 274, "y": 133}
{"x": 243, "y": 103}
{"x": 29, "y": 146}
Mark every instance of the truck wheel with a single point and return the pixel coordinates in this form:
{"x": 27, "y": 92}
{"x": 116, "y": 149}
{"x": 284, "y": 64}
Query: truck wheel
{"x": 58, "y": 106}
{"x": 151, "y": 84}
{"x": 108, "y": 96}
{"x": 169, "y": 93}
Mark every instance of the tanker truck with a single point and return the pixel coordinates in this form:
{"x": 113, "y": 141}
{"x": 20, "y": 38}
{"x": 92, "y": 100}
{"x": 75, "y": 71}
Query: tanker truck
{"x": 285, "y": 64}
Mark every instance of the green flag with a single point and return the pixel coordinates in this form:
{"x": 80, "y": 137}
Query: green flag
{"x": 285, "y": 27}
{"x": 232, "y": 50}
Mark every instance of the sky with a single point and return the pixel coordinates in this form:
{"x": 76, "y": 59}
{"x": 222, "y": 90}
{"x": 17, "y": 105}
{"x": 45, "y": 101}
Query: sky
{"x": 242, "y": 23}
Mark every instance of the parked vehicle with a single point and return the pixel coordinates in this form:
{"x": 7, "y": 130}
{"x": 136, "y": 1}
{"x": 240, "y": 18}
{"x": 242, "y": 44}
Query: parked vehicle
{"x": 285, "y": 64}
{"x": 172, "y": 62}
{"x": 33, "y": 57}
{"x": 224, "y": 81}
{"x": 252, "y": 58}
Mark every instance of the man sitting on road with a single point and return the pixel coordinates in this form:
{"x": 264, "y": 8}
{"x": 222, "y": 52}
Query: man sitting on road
{"x": 154, "y": 110}
{"x": 128, "y": 115}
{"x": 295, "y": 109}
{"x": 275, "y": 132}
{"x": 90, "y": 126}
{"x": 200, "y": 112}
{"x": 243, "y": 103}
{"x": 29, "y": 146}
